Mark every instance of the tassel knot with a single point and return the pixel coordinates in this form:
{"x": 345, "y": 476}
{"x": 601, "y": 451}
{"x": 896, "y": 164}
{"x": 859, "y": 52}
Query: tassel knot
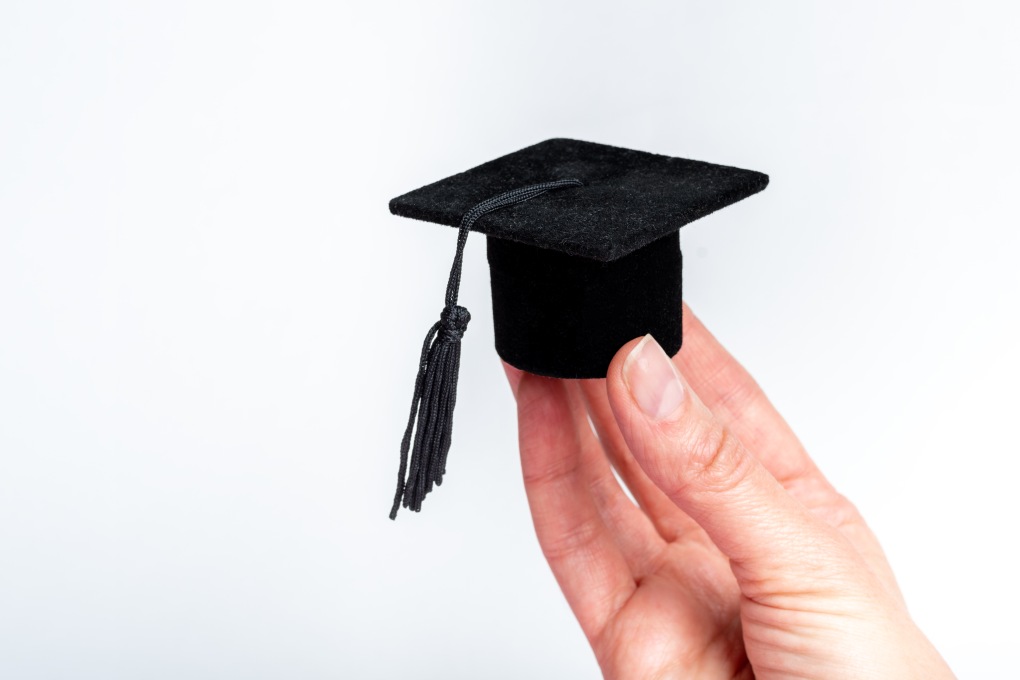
{"x": 454, "y": 321}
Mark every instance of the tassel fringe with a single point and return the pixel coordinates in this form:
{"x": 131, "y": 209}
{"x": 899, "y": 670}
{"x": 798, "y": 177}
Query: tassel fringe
{"x": 435, "y": 395}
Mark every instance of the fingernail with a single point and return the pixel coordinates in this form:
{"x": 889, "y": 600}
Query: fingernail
{"x": 652, "y": 379}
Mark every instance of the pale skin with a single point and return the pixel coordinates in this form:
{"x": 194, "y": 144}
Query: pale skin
{"x": 739, "y": 558}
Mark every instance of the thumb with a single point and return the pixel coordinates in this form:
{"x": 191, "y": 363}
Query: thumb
{"x": 773, "y": 542}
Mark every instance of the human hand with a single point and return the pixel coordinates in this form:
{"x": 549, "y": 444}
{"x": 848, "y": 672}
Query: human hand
{"x": 739, "y": 560}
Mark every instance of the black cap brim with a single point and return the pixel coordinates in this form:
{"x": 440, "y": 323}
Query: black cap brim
{"x": 629, "y": 198}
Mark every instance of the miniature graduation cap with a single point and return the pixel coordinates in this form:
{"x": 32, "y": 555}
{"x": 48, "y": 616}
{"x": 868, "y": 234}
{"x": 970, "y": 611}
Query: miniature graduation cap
{"x": 584, "y": 255}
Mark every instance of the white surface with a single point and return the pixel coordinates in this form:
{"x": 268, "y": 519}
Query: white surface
{"x": 209, "y": 322}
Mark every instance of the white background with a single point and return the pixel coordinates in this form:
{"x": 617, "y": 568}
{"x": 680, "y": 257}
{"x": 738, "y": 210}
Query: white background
{"x": 209, "y": 322}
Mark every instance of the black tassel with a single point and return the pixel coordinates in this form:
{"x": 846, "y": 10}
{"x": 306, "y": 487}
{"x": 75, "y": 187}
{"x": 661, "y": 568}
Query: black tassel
{"x": 435, "y": 395}
{"x": 435, "y": 389}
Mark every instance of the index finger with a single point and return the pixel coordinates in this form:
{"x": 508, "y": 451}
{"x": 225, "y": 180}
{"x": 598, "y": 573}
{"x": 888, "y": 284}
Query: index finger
{"x": 740, "y": 405}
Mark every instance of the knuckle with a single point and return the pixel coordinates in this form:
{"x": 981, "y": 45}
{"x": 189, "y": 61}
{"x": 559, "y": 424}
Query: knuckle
{"x": 574, "y": 539}
{"x": 840, "y": 513}
{"x": 740, "y": 391}
{"x": 818, "y": 496}
{"x": 716, "y": 461}
{"x": 814, "y": 579}
{"x": 542, "y": 470}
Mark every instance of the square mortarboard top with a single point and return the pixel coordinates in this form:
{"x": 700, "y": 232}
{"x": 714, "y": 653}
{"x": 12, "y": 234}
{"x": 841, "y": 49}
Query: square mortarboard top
{"x": 579, "y": 271}
{"x": 584, "y": 255}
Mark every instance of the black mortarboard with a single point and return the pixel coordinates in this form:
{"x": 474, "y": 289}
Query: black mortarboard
{"x": 584, "y": 255}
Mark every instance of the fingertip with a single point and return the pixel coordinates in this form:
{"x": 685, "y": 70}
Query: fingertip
{"x": 513, "y": 376}
{"x": 537, "y": 395}
{"x": 642, "y": 376}
{"x": 545, "y": 427}
{"x": 614, "y": 376}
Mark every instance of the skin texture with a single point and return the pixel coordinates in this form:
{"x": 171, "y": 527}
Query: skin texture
{"x": 738, "y": 560}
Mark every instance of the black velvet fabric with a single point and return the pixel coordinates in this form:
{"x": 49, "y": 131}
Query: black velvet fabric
{"x": 629, "y": 198}
{"x": 578, "y": 271}
{"x": 566, "y": 317}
